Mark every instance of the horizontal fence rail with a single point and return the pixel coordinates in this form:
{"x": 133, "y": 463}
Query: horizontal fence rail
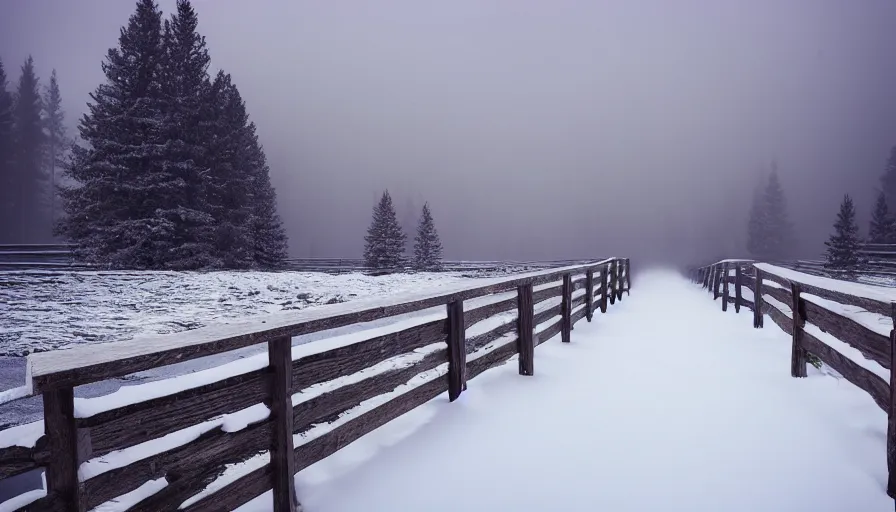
{"x": 215, "y": 439}
{"x": 823, "y": 321}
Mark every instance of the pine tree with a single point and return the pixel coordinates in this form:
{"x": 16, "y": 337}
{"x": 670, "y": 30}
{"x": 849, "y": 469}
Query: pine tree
{"x": 119, "y": 211}
{"x": 29, "y": 181}
{"x": 384, "y": 243}
{"x": 57, "y": 141}
{"x": 888, "y": 180}
{"x": 882, "y": 227}
{"x": 843, "y": 246}
{"x": 184, "y": 83}
{"x": 7, "y": 197}
{"x": 427, "y": 246}
{"x": 770, "y": 234}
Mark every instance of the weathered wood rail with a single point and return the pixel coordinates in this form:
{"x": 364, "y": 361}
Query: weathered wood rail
{"x": 819, "y": 327}
{"x": 179, "y": 446}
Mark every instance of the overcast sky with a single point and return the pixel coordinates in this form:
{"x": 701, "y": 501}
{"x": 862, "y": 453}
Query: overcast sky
{"x": 535, "y": 129}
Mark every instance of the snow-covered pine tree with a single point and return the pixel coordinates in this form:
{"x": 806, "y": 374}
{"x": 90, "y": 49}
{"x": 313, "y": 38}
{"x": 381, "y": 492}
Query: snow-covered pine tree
{"x": 843, "y": 246}
{"x": 184, "y": 83}
{"x": 123, "y": 176}
{"x": 29, "y": 145}
{"x": 770, "y": 233}
{"x": 7, "y": 198}
{"x": 427, "y": 246}
{"x": 881, "y": 230}
{"x": 384, "y": 243}
{"x": 888, "y": 181}
{"x": 57, "y": 142}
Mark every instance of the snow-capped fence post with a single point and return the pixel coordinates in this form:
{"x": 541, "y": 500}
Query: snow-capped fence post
{"x": 724, "y": 287}
{"x": 566, "y": 309}
{"x": 717, "y": 280}
{"x": 797, "y": 352}
{"x": 457, "y": 353}
{"x": 525, "y": 327}
{"x": 589, "y": 294}
{"x": 603, "y": 289}
{"x": 613, "y": 283}
{"x": 63, "y": 487}
{"x": 704, "y": 276}
{"x": 891, "y": 414}
{"x": 628, "y": 276}
{"x": 757, "y": 299}
{"x": 282, "y": 458}
{"x": 738, "y": 284}
{"x": 620, "y": 279}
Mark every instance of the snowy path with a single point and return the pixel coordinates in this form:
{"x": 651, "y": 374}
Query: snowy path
{"x": 664, "y": 403}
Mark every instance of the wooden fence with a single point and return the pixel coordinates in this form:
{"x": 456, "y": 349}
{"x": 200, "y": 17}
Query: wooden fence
{"x": 799, "y": 308}
{"x": 38, "y": 257}
{"x": 323, "y": 396}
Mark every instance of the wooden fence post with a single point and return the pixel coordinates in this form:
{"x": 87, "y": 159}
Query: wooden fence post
{"x": 525, "y": 329}
{"x": 891, "y": 414}
{"x": 738, "y": 283}
{"x": 457, "y": 353}
{"x": 628, "y": 276}
{"x": 282, "y": 458}
{"x": 566, "y": 309}
{"x": 717, "y": 280}
{"x": 589, "y": 294}
{"x": 613, "y": 277}
{"x": 712, "y": 278}
{"x": 724, "y": 287}
{"x": 620, "y": 279}
{"x": 62, "y": 438}
{"x": 757, "y": 299}
{"x": 797, "y": 352}
{"x": 603, "y": 289}
{"x": 705, "y": 277}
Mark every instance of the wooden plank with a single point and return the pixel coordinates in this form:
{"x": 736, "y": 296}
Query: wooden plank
{"x": 875, "y": 306}
{"x": 207, "y": 456}
{"x": 747, "y": 303}
{"x": 589, "y": 294}
{"x": 548, "y": 332}
{"x": 546, "y": 314}
{"x": 864, "y": 379}
{"x": 140, "y": 422}
{"x": 494, "y": 358}
{"x": 88, "y": 363}
{"x": 15, "y": 460}
{"x": 725, "y": 287}
{"x": 457, "y": 354}
{"x": 327, "y": 407}
{"x": 482, "y": 312}
{"x": 474, "y": 343}
{"x": 578, "y": 301}
{"x": 738, "y": 283}
{"x": 236, "y": 493}
{"x": 547, "y": 293}
{"x": 62, "y": 439}
{"x": 783, "y": 321}
{"x": 566, "y": 309}
{"x": 614, "y": 275}
{"x": 872, "y": 345}
{"x": 779, "y": 294}
{"x": 578, "y": 315}
{"x": 526, "y": 327}
{"x": 342, "y": 361}
{"x": 281, "y": 449}
{"x": 352, "y": 430}
{"x": 797, "y": 352}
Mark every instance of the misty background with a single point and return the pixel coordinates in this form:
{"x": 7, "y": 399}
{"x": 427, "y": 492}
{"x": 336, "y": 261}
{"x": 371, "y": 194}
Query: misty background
{"x": 536, "y": 130}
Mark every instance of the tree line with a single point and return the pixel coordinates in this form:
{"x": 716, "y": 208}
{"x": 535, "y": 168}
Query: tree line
{"x": 770, "y": 232}
{"x": 168, "y": 172}
{"x": 384, "y": 244}
{"x": 32, "y": 142}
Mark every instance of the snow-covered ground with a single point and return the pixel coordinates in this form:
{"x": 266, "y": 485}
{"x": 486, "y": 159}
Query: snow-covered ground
{"x": 664, "y": 403}
{"x": 42, "y": 311}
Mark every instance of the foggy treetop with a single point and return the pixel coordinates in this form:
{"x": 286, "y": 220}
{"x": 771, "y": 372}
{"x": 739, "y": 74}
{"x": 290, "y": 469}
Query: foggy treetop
{"x": 534, "y": 129}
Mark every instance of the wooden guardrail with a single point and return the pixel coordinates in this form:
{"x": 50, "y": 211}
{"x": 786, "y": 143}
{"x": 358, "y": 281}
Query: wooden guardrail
{"x": 812, "y": 315}
{"x": 166, "y": 446}
{"x": 37, "y": 256}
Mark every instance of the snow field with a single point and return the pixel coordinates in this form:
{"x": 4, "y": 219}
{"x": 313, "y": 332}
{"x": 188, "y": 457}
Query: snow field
{"x": 663, "y": 403}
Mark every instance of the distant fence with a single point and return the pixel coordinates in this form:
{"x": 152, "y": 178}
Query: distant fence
{"x": 38, "y": 257}
{"x": 214, "y": 444}
{"x": 813, "y": 316}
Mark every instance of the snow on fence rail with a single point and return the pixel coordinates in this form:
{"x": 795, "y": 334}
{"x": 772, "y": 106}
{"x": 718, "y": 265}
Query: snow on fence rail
{"x": 215, "y": 439}
{"x": 847, "y": 326}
